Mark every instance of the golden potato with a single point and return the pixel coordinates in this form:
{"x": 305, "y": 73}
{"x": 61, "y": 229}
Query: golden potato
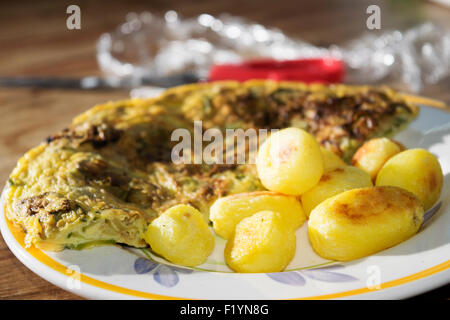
{"x": 415, "y": 170}
{"x": 360, "y": 222}
{"x": 334, "y": 182}
{"x": 331, "y": 160}
{"x": 228, "y": 211}
{"x": 263, "y": 242}
{"x": 181, "y": 235}
{"x": 373, "y": 154}
{"x": 290, "y": 162}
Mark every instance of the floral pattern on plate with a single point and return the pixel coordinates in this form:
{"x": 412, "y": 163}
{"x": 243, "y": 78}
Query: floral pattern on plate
{"x": 298, "y": 278}
{"x": 165, "y": 275}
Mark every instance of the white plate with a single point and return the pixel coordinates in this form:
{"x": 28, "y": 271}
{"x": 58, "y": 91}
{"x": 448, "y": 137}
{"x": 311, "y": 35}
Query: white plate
{"x": 410, "y": 268}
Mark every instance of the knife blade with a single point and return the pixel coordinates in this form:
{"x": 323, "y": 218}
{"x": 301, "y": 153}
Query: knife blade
{"x": 93, "y": 82}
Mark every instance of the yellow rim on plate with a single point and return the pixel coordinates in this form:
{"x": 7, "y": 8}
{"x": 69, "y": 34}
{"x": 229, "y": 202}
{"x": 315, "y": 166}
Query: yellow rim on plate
{"x": 49, "y": 262}
{"x": 418, "y": 100}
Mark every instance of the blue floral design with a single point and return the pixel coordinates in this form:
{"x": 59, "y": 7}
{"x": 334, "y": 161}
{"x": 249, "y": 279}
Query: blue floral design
{"x": 298, "y": 278}
{"x": 165, "y": 275}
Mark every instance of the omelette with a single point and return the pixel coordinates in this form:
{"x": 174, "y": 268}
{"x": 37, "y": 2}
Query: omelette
{"x": 106, "y": 176}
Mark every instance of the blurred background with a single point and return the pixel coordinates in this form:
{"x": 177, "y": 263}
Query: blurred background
{"x": 35, "y": 41}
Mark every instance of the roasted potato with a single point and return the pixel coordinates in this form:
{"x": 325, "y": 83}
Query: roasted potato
{"x": 263, "y": 242}
{"x": 415, "y": 170}
{"x": 331, "y": 160}
{"x": 181, "y": 235}
{"x": 373, "y": 154}
{"x": 228, "y": 211}
{"x": 290, "y": 162}
{"x": 334, "y": 182}
{"x": 360, "y": 222}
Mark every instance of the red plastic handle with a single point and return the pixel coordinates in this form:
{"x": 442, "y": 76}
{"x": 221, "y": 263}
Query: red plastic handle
{"x": 325, "y": 70}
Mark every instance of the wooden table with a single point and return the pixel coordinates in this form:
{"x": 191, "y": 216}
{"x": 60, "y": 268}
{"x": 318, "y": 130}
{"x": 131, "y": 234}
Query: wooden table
{"x": 34, "y": 40}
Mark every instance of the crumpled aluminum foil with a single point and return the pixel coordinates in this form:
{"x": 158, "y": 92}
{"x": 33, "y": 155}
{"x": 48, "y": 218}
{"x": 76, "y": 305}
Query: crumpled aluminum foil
{"x": 147, "y": 44}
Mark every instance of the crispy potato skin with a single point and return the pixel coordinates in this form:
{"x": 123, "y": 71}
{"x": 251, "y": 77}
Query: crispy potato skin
{"x": 228, "y": 211}
{"x": 262, "y": 242}
{"x": 290, "y": 162}
{"x": 334, "y": 182}
{"x": 331, "y": 160}
{"x": 373, "y": 154}
{"x": 361, "y": 222}
{"x": 417, "y": 171}
{"x": 181, "y": 235}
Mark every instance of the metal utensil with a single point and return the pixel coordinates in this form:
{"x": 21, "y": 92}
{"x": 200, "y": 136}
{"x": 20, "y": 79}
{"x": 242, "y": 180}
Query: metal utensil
{"x": 93, "y": 82}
